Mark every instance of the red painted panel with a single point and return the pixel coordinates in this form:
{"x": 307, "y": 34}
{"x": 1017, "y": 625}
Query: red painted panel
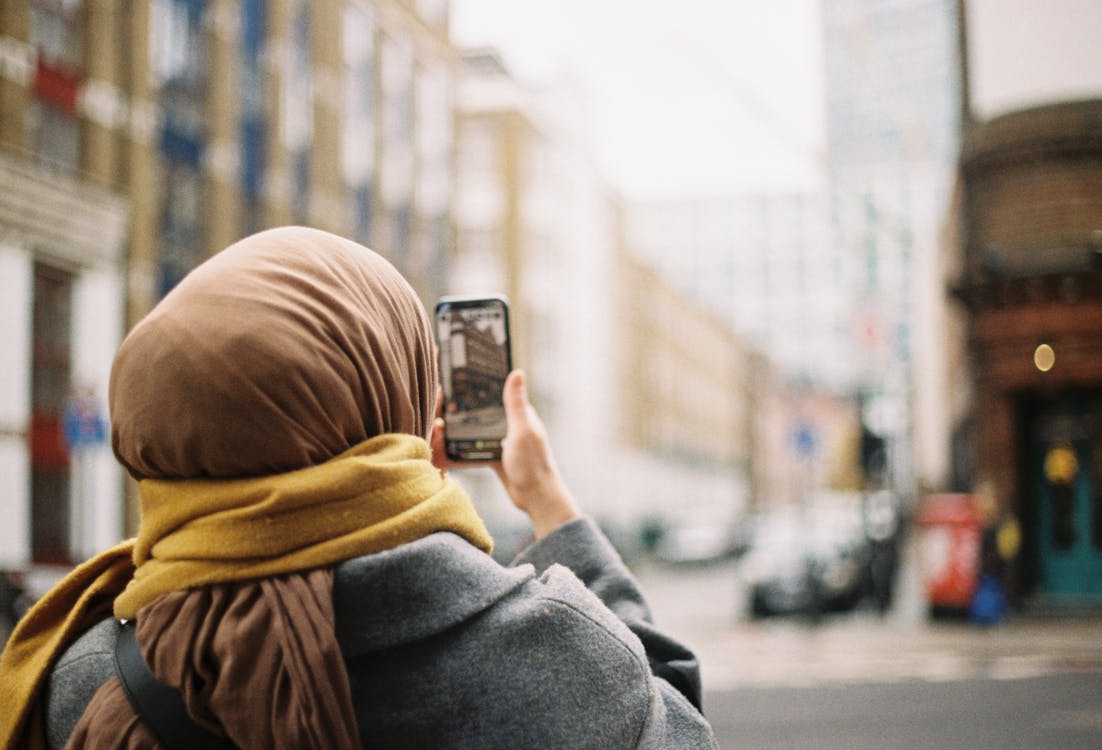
{"x": 57, "y": 87}
{"x": 48, "y": 449}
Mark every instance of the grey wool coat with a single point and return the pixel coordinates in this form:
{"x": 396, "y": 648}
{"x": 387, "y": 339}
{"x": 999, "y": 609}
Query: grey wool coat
{"x": 446, "y": 648}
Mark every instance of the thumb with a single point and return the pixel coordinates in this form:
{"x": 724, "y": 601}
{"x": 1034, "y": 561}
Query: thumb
{"x": 515, "y": 397}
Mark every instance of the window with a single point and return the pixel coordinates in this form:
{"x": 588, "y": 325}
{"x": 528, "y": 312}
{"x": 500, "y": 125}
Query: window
{"x": 298, "y": 110}
{"x": 57, "y": 33}
{"x": 178, "y": 71}
{"x": 253, "y": 112}
{"x": 435, "y": 138}
{"x": 358, "y": 128}
{"x": 53, "y": 131}
{"x": 396, "y": 177}
{"x": 181, "y": 224}
{"x": 53, "y": 136}
{"x": 360, "y": 198}
{"x": 400, "y": 234}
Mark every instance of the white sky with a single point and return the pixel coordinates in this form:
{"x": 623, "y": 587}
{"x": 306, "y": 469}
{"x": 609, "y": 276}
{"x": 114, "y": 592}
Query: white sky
{"x": 1024, "y": 53}
{"x": 686, "y": 96}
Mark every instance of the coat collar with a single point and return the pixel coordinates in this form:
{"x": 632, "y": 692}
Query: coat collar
{"x": 415, "y": 591}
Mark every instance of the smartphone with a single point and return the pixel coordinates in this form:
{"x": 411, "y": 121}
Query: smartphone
{"x": 472, "y": 335}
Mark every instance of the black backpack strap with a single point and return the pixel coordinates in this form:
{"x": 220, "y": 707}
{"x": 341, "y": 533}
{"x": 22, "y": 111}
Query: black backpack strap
{"x": 159, "y": 706}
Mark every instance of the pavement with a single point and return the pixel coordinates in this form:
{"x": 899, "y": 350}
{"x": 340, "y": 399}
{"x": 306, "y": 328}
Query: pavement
{"x": 704, "y": 606}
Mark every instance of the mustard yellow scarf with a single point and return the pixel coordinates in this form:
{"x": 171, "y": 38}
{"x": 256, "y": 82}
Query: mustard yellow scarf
{"x": 378, "y": 495}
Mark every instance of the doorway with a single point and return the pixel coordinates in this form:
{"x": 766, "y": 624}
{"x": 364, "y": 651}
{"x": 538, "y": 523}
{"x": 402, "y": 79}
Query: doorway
{"x": 51, "y": 382}
{"x": 1065, "y": 439}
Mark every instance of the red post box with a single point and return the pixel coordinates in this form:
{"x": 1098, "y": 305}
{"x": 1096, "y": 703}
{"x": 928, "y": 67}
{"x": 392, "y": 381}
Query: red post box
{"x": 949, "y": 545}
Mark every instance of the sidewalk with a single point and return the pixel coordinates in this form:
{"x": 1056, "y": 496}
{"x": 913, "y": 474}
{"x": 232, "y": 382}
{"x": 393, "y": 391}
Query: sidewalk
{"x": 705, "y": 608}
{"x": 862, "y": 649}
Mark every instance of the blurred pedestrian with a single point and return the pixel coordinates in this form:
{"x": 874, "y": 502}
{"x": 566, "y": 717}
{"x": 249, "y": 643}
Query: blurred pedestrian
{"x": 306, "y": 573}
{"x": 882, "y": 531}
{"x": 999, "y": 540}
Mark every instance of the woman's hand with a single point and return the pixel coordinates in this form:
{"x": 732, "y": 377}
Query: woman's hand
{"x": 527, "y": 468}
{"x": 436, "y": 440}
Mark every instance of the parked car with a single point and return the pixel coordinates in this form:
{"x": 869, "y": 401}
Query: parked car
{"x": 14, "y": 601}
{"x": 701, "y": 540}
{"x": 805, "y": 562}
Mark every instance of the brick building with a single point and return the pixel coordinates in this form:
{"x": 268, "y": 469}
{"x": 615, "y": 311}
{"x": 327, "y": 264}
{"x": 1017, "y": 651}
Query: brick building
{"x": 1030, "y": 277}
{"x": 138, "y": 138}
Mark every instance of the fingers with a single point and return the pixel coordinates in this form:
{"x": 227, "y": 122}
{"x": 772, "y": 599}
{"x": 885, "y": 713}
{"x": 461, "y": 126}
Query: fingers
{"x": 437, "y": 439}
{"x": 436, "y": 443}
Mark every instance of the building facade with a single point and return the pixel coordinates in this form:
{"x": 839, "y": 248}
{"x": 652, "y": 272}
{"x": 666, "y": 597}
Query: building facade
{"x": 892, "y": 125}
{"x": 1031, "y": 280}
{"x": 63, "y": 241}
{"x": 765, "y": 264}
{"x": 138, "y": 138}
{"x": 684, "y": 402}
{"x": 1025, "y": 269}
{"x": 638, "y": 385}
{"x": 838, "y": 285}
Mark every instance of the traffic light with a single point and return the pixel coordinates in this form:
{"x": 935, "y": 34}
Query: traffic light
{"x": 874, "y": 457}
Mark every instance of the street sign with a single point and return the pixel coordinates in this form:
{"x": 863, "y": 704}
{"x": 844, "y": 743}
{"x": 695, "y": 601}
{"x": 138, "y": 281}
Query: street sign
{"x": 805, "y": 441}
{"x": 84, "y": 424}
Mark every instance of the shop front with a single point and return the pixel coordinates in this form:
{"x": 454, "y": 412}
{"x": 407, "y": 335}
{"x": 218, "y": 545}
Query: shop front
{"x": 1064, "y": 479}
{"x": 61, "y": 299}
{"x": 1031, "y": 282}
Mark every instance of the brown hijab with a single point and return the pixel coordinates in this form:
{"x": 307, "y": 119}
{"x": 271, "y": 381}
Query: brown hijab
{"x": 279, "y": 353}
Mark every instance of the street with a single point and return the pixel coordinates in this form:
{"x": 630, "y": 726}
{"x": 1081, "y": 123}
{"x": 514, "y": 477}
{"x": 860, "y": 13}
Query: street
{"x": 859, "y": 679}
{"x": 1057, "y": 711}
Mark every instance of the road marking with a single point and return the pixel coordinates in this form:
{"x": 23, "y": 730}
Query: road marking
{"x": 1089, "y": 719}
{"x": 940, "y": 667}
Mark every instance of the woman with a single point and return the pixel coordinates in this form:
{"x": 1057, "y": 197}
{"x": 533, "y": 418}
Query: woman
{"x": 306, "y": 575}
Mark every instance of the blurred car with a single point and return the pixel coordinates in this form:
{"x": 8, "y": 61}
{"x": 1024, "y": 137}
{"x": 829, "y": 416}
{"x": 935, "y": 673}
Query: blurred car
{"x": 701, "y": 541}
{"x": 14, "y": 600}
{"x": 807, "y": 562}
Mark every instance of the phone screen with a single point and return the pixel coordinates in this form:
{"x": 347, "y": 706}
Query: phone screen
{"x": 473, "y": 337}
